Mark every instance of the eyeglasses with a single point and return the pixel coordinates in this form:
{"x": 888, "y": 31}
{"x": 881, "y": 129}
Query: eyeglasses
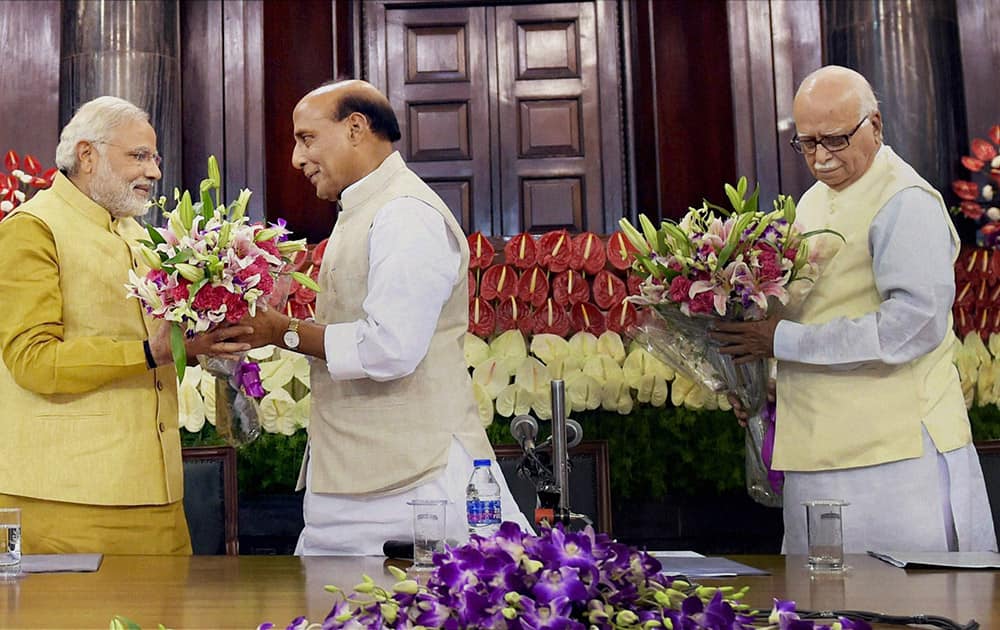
{"x": 141, "y": 156}
{"x": 830, "y": 143}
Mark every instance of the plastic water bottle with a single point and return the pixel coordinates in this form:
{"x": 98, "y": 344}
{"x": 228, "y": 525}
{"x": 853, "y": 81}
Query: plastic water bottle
{"x": 482, "y": 500}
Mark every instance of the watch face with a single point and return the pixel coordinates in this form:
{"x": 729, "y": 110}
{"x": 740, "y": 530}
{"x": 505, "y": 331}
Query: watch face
{"x": 291, "y": 339}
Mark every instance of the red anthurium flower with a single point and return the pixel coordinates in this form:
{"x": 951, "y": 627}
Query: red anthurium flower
{"x": 499, "y": 282}
{"x": 632, "y": 282}
{"x": 533, "y": 287}
{"x": 473, "y": 285}
{"x": 50, "y": 175}
{"x": 971, "y": 209}
{"x": 570, "y": 287}
{"x": 480, "y": 251}
{"x": 972, "y": 163}
{"x": 482, "y": 319}
{"x": 11, "y": 161}
{"x": 520, "y": 251}
{"x": 319, "y": 251}
{"x": 588, "y": 318}
{"x": 966, "y": 295}
{"x": 965, "y": 190}
{"x": 550, "y": 318}
{"x": 995, "y": 134}
{"x": 31, "y": 165}
{"x": 4, "y": 184}
{"x": 555, "y": 250}
{"x": 621, "y": 252}
{"x": 621, "y": 317}
{"x": 588, "y": 253}
{"x": 964, "y": 322}
{"x": 513, "y": 313}
{"x": 609, "y": 290}
{"x": 983, "y": 149}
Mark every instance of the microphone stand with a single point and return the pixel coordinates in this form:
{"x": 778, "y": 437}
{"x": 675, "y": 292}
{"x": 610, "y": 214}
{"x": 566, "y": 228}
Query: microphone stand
{"x": 560, "y": 454}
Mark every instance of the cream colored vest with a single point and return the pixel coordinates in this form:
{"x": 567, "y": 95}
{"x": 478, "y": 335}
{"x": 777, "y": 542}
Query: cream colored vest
{"x": 871, "y": 415}
{"x": 368, "y": 437}
{"x": 118, "y": 444}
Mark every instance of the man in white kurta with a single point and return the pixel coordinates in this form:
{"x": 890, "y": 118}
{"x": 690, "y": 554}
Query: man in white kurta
{"x": 393, "y": 416}
{"x": 869, "y": 405}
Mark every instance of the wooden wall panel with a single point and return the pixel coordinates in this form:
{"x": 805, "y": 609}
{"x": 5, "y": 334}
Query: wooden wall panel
{"x": 684, "y": 142}
{"x": 29, "y": 78}
{"x": 299, "y": 52}
{"x": 979, "y": 38}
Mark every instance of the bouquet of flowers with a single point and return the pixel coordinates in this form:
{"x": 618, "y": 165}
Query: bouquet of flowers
{"x": 558, "y": 579}
{"x": 21, "y": 181}
{"x": 210, "y": 265}
{"x": 715, "y": 263}
{"x": 981, "y": 203}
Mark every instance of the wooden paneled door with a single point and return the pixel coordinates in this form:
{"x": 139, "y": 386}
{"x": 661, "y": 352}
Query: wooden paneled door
{"x": 510, "y": 112}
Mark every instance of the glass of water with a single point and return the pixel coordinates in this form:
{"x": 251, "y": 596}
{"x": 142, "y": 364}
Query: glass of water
{"x": 428, "y": 531}
{"x": 10, "y": 542}
{"x": 826, "y": 534}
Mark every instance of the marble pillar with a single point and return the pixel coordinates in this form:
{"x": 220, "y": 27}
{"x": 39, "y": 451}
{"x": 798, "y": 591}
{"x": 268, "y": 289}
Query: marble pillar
{"x": 129, "y": 49}
{"x": 909, "y": 51}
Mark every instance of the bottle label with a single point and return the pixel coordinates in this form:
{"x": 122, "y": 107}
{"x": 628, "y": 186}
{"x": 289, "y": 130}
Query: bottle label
{"x": 481, "y": 513}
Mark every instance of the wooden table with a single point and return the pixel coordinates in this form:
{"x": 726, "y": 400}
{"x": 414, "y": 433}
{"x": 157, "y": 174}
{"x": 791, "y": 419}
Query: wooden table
{"x": 240, "y": 592}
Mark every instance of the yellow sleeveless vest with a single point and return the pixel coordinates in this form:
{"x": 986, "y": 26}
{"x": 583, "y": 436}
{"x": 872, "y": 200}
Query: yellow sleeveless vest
{"x": 118, "y": 444}
{"x": 830, "y": 419}
{"x": 368, "y": 437}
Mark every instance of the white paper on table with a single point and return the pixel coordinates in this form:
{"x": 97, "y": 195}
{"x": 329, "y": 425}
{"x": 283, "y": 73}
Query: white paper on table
{"x": 61, "y": 563}
{"x": 939, "y": 559}
{"x": 675, "y": 554}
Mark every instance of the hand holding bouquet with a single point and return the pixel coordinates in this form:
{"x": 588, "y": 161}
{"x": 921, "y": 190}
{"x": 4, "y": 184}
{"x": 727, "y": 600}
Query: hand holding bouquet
{"x": 211, "y": 267}
{"x": 210, "y": 264}
{"x": 720, "y": 264}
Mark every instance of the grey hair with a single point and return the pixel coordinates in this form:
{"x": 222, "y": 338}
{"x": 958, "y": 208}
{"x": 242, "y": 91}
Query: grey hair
{"x": 93, "y": 122}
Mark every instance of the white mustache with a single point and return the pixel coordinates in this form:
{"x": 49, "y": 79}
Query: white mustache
{"x": 826, "y": 166}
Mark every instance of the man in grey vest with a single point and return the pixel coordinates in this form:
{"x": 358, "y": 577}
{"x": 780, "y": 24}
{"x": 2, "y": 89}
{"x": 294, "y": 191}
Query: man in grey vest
{"x": 393, "y": 416}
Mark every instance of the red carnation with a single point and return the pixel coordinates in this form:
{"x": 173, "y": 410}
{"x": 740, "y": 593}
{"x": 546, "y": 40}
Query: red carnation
{"x": 236, "y": 308}
{"x": 679, "y": 289}
{"x": 704, "y": 302}
{"x": 210, "y": 298}
{"x": 269, "y": 247}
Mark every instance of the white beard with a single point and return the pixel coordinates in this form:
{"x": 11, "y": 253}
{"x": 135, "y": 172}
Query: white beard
{"x": 115, "y": 194}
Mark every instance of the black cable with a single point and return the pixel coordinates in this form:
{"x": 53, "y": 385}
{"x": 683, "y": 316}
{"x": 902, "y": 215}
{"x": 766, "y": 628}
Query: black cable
{"x": 894, "y": 620}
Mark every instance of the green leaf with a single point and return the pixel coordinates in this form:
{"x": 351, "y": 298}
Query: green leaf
{"x": 751, "y": 204}
{"x": 155, "y": 236}
{"x": 306, "y": 281}
{"x": 789, "y": 208}
{"x": 180, "y": 257}
{"x": 207, "y": 209}
{"x": 735, "y": 198}
{"x": 178, "y": 350}
{"x": 824, "y": 231}
{"x": 634, "y": 236}
{"x": 734, "y": 239}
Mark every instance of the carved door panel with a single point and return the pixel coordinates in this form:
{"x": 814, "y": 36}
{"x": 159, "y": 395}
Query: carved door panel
{"x": 550, "y": 144}
{"x": 437, "y": 83}
{"x": 511, "y": 113}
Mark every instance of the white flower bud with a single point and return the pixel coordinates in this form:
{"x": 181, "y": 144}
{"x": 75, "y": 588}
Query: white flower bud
{"x": 17, "y": 173}
{"x": 987, "y": 192}
{"x": 995, "y": 163}
{"x": 6, "y": 206}
{"x": 19, "y": 195}
{"x": 25, "y": 178}
{"x": 993, "y": 214}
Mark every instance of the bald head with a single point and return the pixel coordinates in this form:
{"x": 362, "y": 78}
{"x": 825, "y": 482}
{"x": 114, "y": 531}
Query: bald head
{"x": 343, "y": 131}
{"x": 836, "y": 107}
{"x": 343, "y": 98}
{"x": 841, "y": 88}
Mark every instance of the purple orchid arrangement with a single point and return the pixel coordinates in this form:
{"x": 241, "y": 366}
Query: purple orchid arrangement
{"x": 558, "y": 580}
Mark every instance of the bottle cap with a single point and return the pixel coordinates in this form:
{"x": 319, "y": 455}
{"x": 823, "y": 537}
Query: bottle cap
{"x": 481, "y": 462}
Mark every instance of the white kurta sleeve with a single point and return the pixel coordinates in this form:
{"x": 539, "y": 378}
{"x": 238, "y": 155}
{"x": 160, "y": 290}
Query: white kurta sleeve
{"x": 912, "y": 252}
{"x": 413, "y": 265}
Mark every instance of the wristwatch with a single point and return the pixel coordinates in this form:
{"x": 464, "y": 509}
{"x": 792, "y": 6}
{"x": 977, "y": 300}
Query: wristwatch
{"x": 291, "y": 337}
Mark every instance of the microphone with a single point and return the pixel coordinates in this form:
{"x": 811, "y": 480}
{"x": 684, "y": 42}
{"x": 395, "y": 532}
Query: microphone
{"x": 574, "y": 433}
{"x": 524, "y": 428}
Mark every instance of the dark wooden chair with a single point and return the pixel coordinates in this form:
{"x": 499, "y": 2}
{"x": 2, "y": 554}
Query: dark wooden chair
{"x": 210, "y": 499}
{"x": 589, "y": 481}
{"x": 989, "y": 458}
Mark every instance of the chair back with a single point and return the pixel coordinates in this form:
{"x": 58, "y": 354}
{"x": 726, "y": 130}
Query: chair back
{"x": 210, "y": 499}
{"x": 589, "y": 485}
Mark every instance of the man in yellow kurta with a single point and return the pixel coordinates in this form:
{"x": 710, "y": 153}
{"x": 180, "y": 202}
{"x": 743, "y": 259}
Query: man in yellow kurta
{"x": 89, "y": 441}
{"x": 869, "y": 405}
